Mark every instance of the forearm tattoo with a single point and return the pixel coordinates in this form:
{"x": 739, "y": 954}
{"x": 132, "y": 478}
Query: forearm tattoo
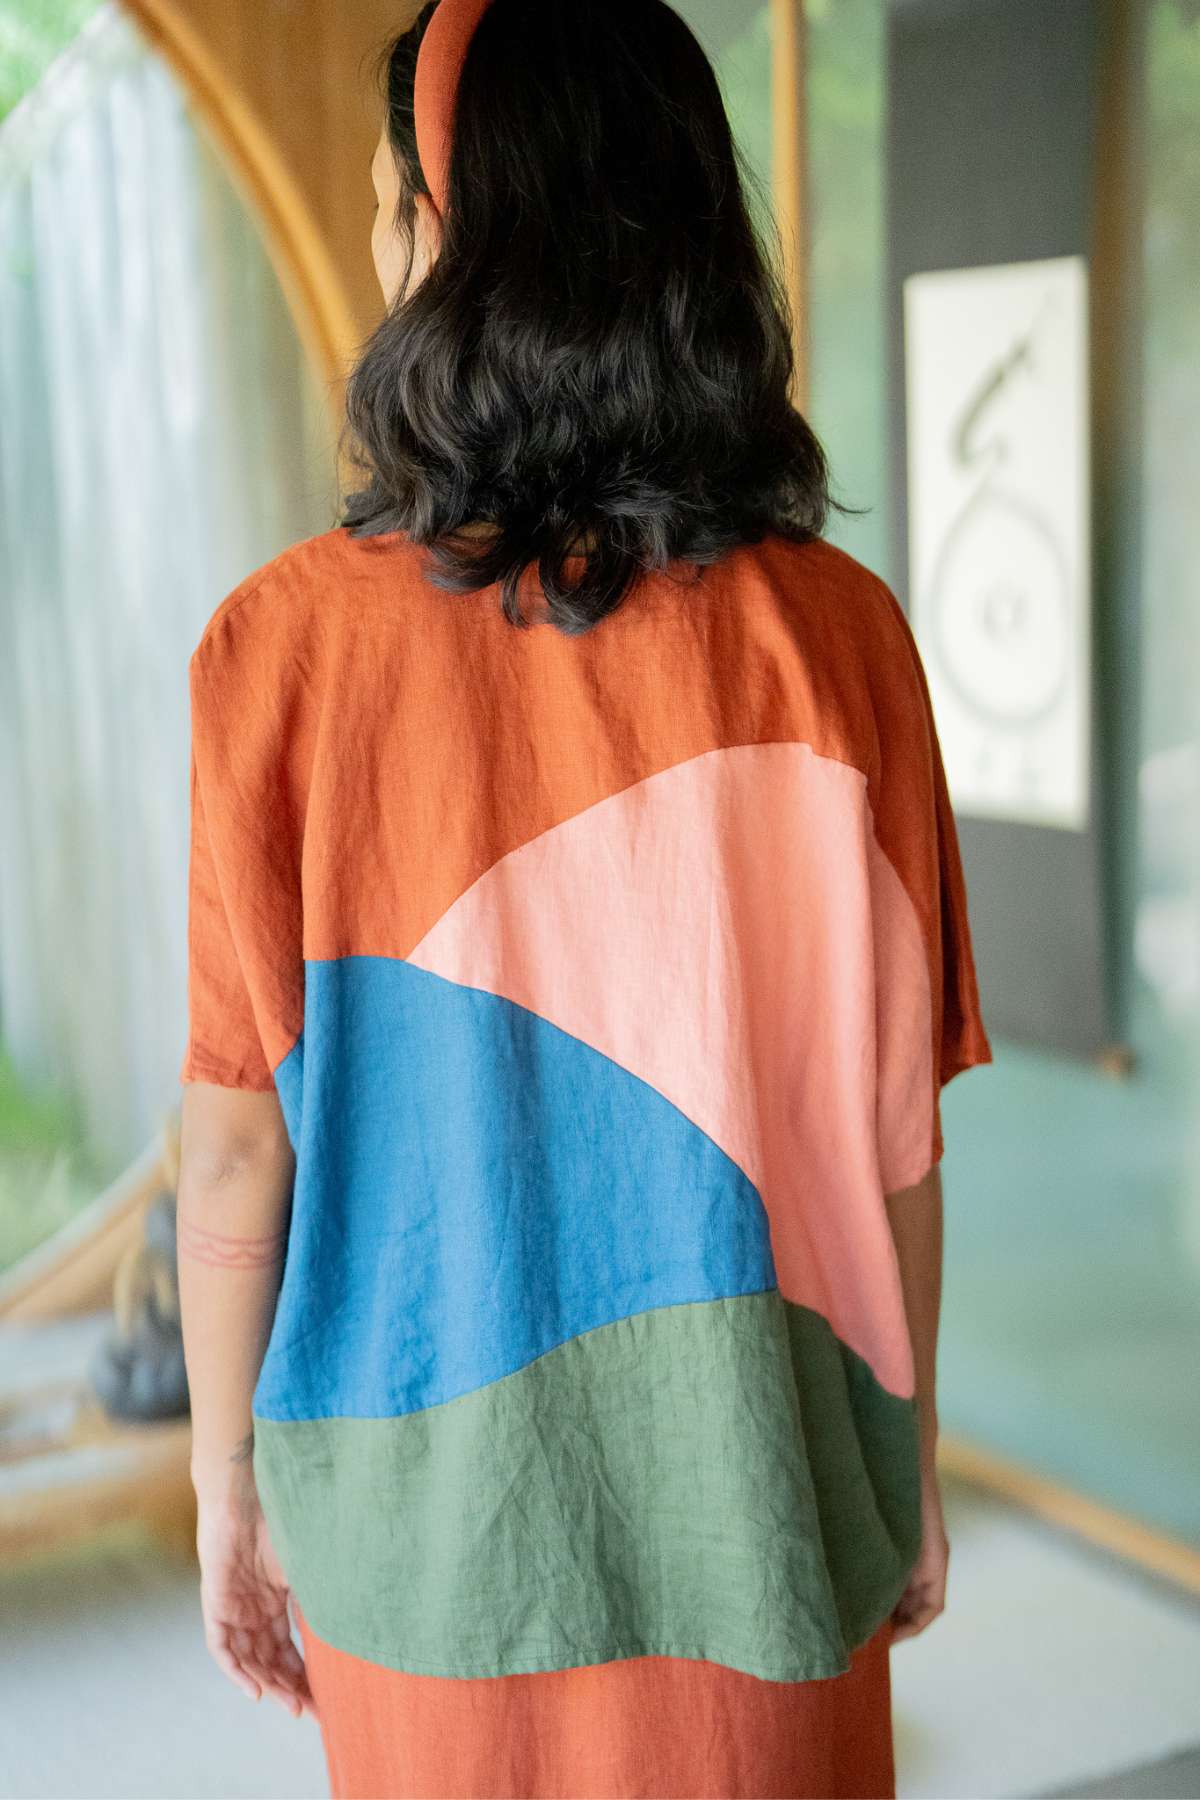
{"x": 221, "y": 1251}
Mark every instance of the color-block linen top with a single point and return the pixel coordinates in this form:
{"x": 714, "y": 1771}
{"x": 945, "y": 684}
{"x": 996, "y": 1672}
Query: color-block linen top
{"x": 608, "y": 983}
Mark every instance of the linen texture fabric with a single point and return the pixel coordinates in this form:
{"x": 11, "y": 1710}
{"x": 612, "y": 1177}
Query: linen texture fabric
{"x": 608, "y": 984}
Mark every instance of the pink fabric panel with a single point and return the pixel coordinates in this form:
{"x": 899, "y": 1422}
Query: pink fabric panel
{"x": 906, "y": 1085}
{"x": 715, "y": 930}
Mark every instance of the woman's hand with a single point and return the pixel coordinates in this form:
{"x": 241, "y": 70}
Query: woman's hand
{"x": 925, "y": 1596}
{"x": 244, "y": 1594}
{"x": 915, "y": 1216}
{"x": 235, "y": 1185}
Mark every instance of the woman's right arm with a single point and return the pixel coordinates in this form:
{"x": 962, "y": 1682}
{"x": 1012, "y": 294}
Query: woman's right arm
{"x": 915, "y": 1215}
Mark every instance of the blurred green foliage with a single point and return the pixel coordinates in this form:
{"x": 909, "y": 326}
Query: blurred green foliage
{"x": 847, "y": 323}
{"x": 45, "y": 1174}
{"x": 32, "y": 32}
{"x": 1173, "y": 197}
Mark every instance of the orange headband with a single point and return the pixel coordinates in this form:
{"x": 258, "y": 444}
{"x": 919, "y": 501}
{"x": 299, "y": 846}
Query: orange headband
{"x": 439, "y": 69}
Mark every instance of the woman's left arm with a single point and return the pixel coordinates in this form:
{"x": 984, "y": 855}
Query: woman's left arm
{"x": 235, "y": 1188}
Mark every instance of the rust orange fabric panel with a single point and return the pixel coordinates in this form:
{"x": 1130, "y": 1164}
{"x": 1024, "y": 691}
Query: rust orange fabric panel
{"x": 649, "y": 1726}
{"x": 357, "y": 705}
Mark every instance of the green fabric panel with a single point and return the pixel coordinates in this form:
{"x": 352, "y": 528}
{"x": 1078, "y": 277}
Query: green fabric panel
{"x": 722, "y": 1480}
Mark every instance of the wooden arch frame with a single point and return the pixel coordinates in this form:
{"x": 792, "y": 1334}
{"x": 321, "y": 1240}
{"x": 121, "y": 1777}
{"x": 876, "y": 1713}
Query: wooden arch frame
{"x": 331, "y": 296}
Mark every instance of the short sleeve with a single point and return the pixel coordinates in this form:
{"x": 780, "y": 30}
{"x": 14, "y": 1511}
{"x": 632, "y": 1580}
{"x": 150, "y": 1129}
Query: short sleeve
{"x": 223, "y": 1042}
{"x": 929, "y": 1025}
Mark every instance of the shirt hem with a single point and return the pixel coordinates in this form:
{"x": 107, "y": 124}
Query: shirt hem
{"x": 815, "y": 1668}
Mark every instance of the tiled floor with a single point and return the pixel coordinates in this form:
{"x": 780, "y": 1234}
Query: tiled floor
{"x": 1052, "y": 1672}
{"x": 1052, "y": 1668}
{"x": 107, "y": 1693}
{"x": 1169, "y": 1778}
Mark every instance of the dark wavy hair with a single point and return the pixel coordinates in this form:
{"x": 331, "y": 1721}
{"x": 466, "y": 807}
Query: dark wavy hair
{"x": 601, "y": 355}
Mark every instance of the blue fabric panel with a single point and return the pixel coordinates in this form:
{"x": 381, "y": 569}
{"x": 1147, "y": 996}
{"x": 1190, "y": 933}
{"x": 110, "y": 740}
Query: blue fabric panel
{"x": 473, "y": 1187}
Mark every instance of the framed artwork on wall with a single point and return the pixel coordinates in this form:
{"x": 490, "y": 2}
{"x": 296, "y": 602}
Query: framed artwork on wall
{"x": 996, "y": 374}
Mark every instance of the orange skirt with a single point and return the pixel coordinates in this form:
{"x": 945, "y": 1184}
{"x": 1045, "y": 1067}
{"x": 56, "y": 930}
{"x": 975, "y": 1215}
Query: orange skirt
{"x": 648, "y": 1726}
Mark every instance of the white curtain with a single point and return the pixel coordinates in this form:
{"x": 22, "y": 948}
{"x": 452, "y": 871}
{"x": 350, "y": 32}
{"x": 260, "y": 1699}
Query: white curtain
{"x": 160, "y": 436}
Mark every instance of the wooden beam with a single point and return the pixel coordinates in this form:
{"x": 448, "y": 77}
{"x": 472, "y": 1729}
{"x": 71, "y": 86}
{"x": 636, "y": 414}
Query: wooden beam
{"x": 1168, "y": 1558}
{"x": 299, "y": 246}
{"x": 789, "y": 119}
